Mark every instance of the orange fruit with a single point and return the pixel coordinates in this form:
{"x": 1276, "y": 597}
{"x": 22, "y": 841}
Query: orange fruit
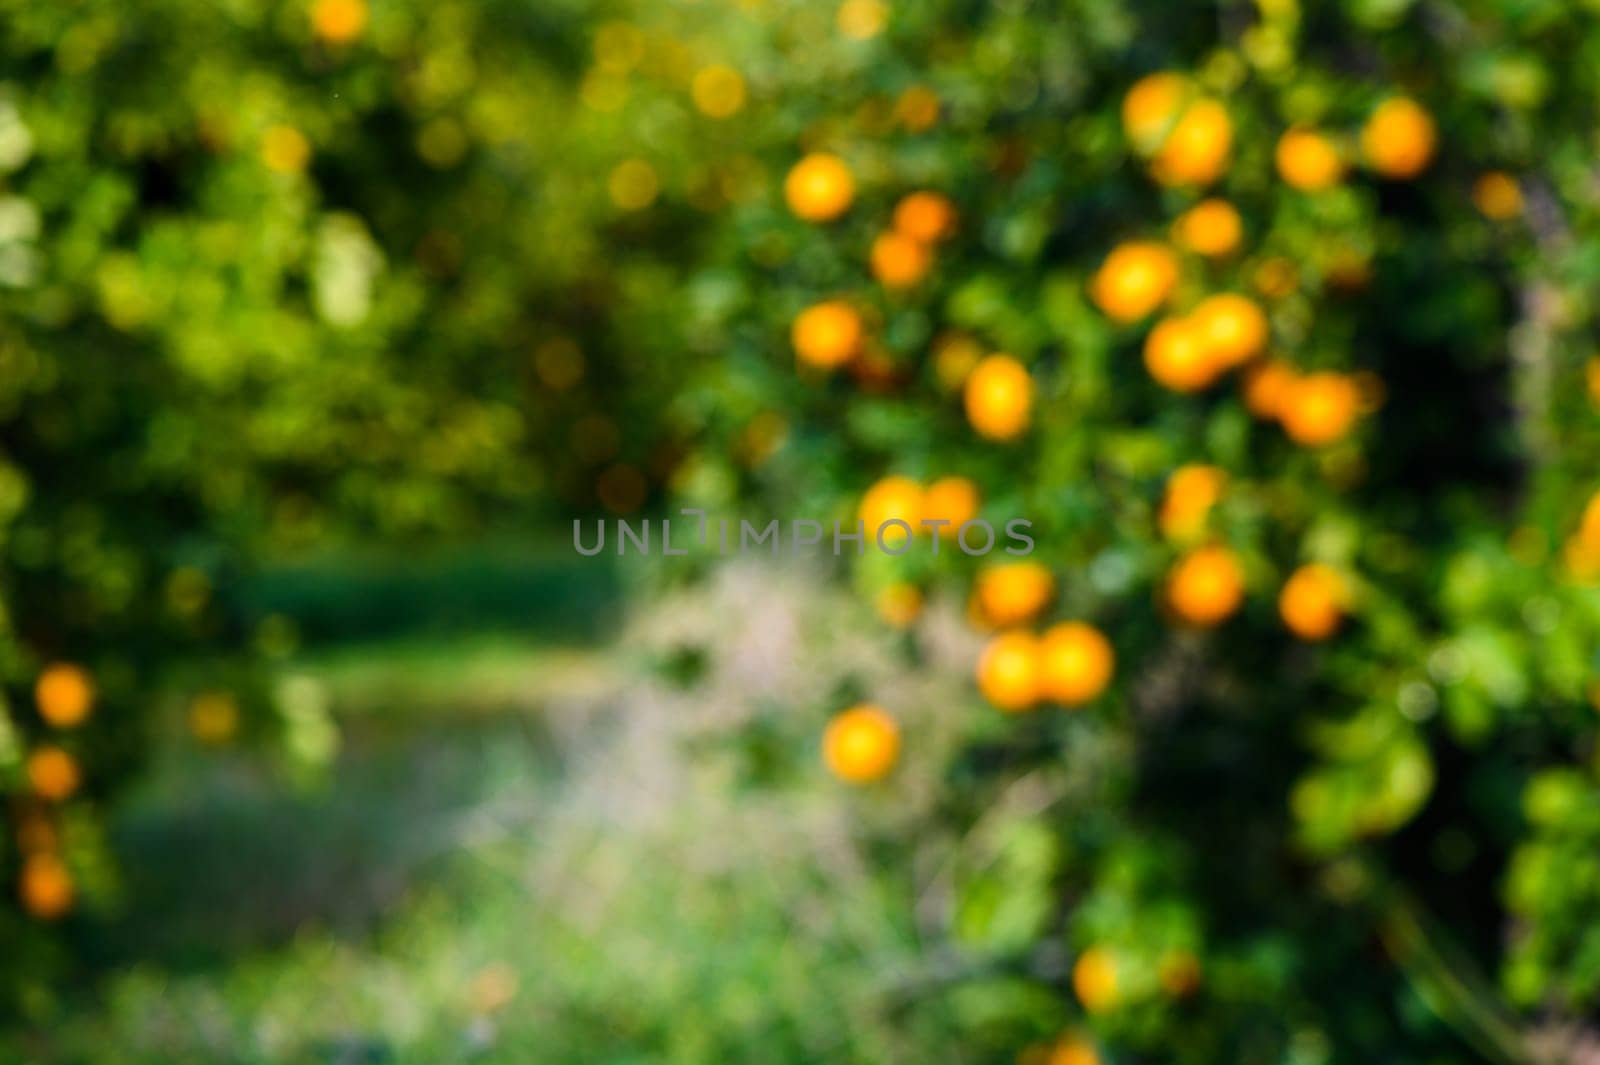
{"x": 917, "y": 109}
{"x": 1205, "y": 586}
{"x": 1191, "y": 493}
{"x": 999, "y": 397}
{"x": 899, "y": 605}
{"x": 1308, "y": 160}
{"x": 1196, "y": 151}
{"x": 1265, "y": 385}
{"x": 214, "y": 717}
{"x": 1071, "y": 1052}
{"x": 1313, "y": 600}
{"x": 925, "y": 217}
{"x": 64, "y": 694}
{"x": 1231, "y": 327}
{"x": 954, "y": 356}
{"x": 862, "y": 20}
{"x": 1008, "y": 671}
{"x": 1010, "y": 593}
{"x": 37, "y": 832}
{"x": 1094, "y": 979}
{"x": 898, "y": 261}
{"x": 861, "y": 744}
{"x": 826, "y": 335}
{"x": 1178, "y": 972}
{"x": 819, "y": 187}
{"x": 46, "y": 887}
{"x": 1399, "y": 138}
{"x": 951, "y": 499}
{"x": 1319, "y": 408}
{"x": 1136, "y": 278}
{"x": 338, "y": 21}
{"x": 1582, "y": 557}
{"x": 1497, "y": 195}
{"x": 1276, "y": 277}
{"x": 1176, "y": 356}
{"x": 1589, "y": 524}
{"x": 892, "y": 498}
{"x": 285, "y": 149}
{"x": 718, "y": 91}
{"x": 1151, "y": 107}
{"x": 1075, "y": 663}
{"x": 52, "y": 773}
{"x": 1211, "y": 228}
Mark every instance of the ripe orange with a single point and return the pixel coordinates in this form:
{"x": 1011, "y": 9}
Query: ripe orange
{"x": 1211, "y": 228}
{"x": 1176, "y": 356}
{"x": 862, "y": 20}
{"x": 819, "y": 188}
{"x": 898, "y": 261}
{"x": 1589, "y": 523}
{"x": 1313, "y": 600}
{"x": 893, "y": 497}
{"x": 1010, "y": 593}
{"x": 1136, "y": 278}
{"x": 1399, "y": 138}
{"x": 52, "y": 773}
{"x": 951, "y": 499}
{"x": 1070, "y": 1052}
{"x": 1008, "y": 671}
{"x": 1232, "y": 328}
{"x": 1196, "y": 151}
{"x": 339, "y": 21}
{"x": 899, "y": 605}
{"x": 1151, "y": 107}
{"x": 861, "y": 744}
{"x": 1191, "y": 493}
{"x": 826, "y": 335}
{"x": 999, "y": 397}
{"x": 46, "y": 887}
{"x": 1206, "y": 586}
{"x": 1497, "y": 195}
{"x": 1319, "y": 408}
{"x": 1265, "y": 385}
{"x": 925, "y": 217}
{"x": 1075, "y": 663}
{"x": 64, "y": 694}
{"x": 1308, "y": 160}
{"x": 1094, "y": 979}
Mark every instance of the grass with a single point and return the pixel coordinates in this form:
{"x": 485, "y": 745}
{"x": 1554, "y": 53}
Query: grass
{"x": 526, "y": 851}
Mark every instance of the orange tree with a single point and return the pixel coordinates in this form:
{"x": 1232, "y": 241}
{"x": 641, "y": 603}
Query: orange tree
{"x": 272, "y": 275}
{"x": 1278, "y": 326}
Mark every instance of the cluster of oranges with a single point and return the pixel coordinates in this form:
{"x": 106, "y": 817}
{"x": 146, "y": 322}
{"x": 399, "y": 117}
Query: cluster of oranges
{"x": 1099, "y": 985}
{"x": 821, "y": 188}
{"x": 1070, "y": 664}
{"x": 1187, "y": 140}
{"x": 1207, "y": 584}
{"x": 64, "y": 695}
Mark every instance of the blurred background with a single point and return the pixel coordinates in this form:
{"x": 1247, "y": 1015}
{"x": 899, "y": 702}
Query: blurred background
{"x": 322, "y": 323}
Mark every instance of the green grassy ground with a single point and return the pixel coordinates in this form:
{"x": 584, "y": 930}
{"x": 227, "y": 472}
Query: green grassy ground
{"x": 525, "y": 851}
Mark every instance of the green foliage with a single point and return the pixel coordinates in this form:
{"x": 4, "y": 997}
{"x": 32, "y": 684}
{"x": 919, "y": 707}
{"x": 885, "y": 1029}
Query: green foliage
{"x": 267, "y": 284}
